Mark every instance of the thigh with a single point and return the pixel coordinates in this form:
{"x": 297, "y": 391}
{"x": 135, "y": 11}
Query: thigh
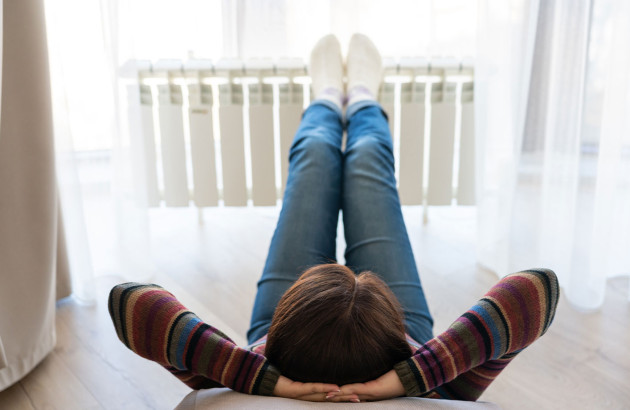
{"x": 375, "y": 231}
{"x": 307, "y": 227}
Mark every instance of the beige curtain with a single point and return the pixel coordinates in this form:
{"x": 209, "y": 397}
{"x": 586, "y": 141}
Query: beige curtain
{"x": 33, "y": 262}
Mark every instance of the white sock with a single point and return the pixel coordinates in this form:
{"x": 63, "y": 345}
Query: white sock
{"x": 365, "y": 69}
{"x": 326, "y": 69}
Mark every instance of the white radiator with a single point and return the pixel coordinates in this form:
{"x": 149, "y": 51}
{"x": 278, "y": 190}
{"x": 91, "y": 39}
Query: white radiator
{"x": 220, "y": 133}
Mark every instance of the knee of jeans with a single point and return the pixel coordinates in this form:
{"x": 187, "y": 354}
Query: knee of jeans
{"x": 369, "y": 150}
{"x": 313, "y": 147}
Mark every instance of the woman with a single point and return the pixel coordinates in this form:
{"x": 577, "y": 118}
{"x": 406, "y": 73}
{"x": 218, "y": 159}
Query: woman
{"x": 341, "y": 333}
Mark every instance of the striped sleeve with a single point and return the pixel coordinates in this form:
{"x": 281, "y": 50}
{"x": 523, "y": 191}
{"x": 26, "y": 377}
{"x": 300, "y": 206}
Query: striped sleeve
{"x": 154, "y": 324}
{"x": 463, "y": 361}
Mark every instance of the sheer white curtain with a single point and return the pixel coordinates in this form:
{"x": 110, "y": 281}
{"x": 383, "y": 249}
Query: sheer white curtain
{"x": 93, "y": 45}
{"x": 553, "y": 109}
{"x": 107, "y": 220}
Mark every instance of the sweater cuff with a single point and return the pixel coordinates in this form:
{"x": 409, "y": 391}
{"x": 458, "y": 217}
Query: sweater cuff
{"x": 268, "y": 381}
{"x": 407, "y": 378}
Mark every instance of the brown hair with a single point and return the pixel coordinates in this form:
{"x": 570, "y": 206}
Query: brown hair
{"x": 335, "y": 327}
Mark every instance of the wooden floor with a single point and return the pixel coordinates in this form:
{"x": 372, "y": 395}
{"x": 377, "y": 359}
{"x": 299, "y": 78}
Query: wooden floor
{"x": 583, "y": 362}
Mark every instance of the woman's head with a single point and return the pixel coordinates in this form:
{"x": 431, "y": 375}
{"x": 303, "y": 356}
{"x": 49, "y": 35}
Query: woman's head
{"x": 333, "y": 326}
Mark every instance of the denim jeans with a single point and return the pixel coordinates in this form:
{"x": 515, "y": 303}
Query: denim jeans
{"x": 360, "y": 182}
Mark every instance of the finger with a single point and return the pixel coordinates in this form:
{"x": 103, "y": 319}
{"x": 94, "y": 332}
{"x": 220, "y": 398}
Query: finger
{"x": 343, "y": 398}
{"x": 357, "y": 388}
{"x": 312, "y": 397}
{"x": 320, "y": 388}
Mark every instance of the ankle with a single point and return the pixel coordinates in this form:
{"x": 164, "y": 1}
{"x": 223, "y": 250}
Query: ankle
{"x": 360, "y": 92}
{"x": 334, "y": 95}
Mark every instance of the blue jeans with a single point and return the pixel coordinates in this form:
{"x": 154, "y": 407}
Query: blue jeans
{"x": 360, "y": 181}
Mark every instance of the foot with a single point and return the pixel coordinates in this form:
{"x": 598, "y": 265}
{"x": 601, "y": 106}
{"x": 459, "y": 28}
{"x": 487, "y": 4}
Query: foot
{"x": 326, "y": 69}
{"x": 365, "y": 69}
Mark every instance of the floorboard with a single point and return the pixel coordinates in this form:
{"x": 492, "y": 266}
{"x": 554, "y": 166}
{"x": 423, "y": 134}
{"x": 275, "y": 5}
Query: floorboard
{"x": 15, "y": 398}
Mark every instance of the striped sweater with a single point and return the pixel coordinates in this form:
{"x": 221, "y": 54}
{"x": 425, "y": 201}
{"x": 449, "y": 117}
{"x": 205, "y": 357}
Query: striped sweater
{"x": 458, "y": 364}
